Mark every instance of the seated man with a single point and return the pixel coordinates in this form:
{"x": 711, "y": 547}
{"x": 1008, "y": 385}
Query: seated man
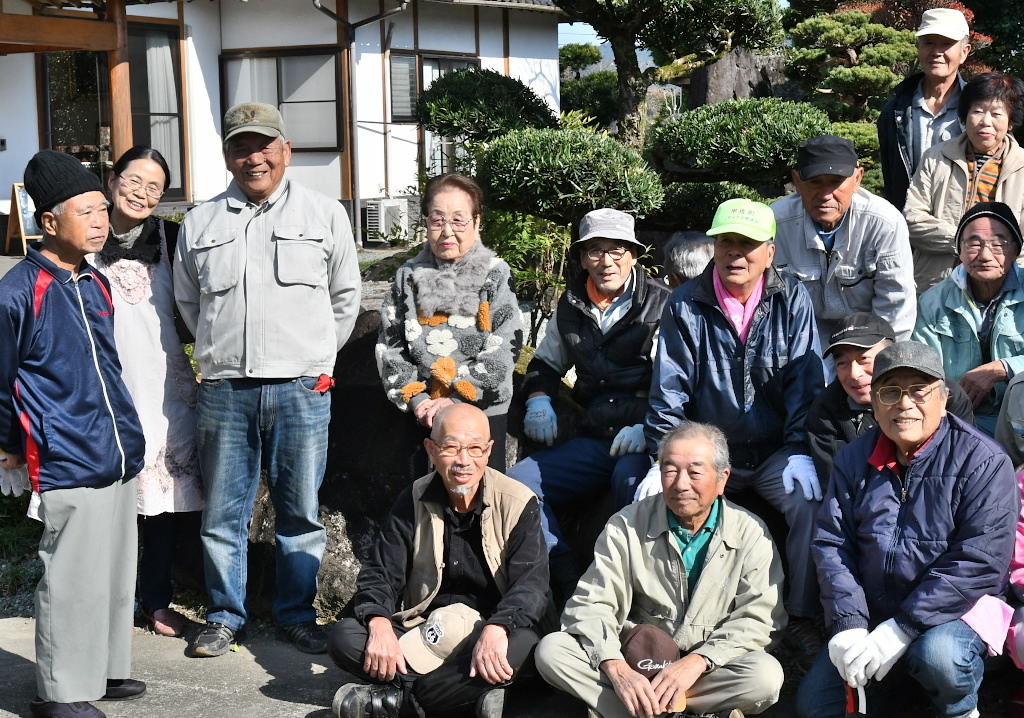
{"x": 695, "y": 566}
{"x": 848, "y": 247}
{"x": 974, "y": 318}
{"x": 687, "y": 255}
{"x": 606, "y": 326}
{"x": 460, "y": 573}
{"x": 917, "y": 527}
{"x": 738, "y": 348}
{"x": 842, "y": 412}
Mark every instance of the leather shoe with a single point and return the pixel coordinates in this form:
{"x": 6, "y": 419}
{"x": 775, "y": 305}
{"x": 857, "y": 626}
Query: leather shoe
{"x": 357, "y": 700}
{"x": 48, "y": 709}
{"x": 123, "y": 689}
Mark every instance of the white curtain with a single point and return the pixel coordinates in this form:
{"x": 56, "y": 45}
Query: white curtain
{"x": 163, "y": 98}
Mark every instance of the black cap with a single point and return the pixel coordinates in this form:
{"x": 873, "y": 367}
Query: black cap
{"x": 997, "y": 211}
{"x": 860, "y": 330}
{"x": 826, "y": 155}
{"x": 908, "y": 355}
{"x": 52, "y": 177}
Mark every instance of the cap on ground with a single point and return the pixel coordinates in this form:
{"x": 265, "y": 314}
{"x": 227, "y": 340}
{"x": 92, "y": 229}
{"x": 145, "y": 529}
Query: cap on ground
{"x": 607, "y": 223}
{"x": 826, "y": 155}
{"x": 997, "y": 211}
{"x": 908, "y": 355}
{"x": 944, "y": 21}
{"x": 52, "y": 177}
{"x": 860, "y": 330}
{"x": 743, "y": 216}
{"x": 255, "y": 117}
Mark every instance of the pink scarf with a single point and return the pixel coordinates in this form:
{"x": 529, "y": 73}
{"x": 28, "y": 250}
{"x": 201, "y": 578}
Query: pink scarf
{"x": 738, "y": 313}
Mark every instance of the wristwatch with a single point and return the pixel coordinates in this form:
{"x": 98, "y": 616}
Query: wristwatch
{"x": 710, "y": 665}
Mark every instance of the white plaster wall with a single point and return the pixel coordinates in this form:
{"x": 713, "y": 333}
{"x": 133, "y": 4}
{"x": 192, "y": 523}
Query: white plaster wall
{"x": 202, "y": 89}
{"x": 447, "y": 27}
{"x": 533, "y": 49}
{"x": 166, "y": 10}
{"x": 275, "y": 23}
{"x": 19, "y": 121}
{"x": 371, "y": 129}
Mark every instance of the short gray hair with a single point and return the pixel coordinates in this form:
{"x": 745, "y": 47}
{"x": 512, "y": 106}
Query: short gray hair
{"x": 696, "y": 430}
{"x": 688, "y": 253}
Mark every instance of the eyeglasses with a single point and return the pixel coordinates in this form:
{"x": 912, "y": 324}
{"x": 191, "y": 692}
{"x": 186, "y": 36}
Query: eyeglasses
{"x": 437, "y": 221}
{"x": 474, "y": 450}
{"x": 596, "y": 254}
{"x": 132, "y": 184}
{"x": 918, "y": 393}
{"x": 997, "y": 246}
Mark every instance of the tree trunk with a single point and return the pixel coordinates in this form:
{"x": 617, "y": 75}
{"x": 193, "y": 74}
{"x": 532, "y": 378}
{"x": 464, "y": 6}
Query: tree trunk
{"x": 632, "y": 118}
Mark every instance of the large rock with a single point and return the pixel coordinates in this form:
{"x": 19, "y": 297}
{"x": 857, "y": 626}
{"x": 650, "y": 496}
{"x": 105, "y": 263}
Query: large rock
{"x": 741, "y": 74}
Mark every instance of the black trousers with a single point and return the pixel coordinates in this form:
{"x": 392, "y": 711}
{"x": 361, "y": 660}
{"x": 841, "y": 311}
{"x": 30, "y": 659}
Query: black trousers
{"x": 445, "y": 691}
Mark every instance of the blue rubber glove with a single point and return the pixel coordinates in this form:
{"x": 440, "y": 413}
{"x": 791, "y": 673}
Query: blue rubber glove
{"x": 629, "y": 440}
{"x": 540, "y": 423}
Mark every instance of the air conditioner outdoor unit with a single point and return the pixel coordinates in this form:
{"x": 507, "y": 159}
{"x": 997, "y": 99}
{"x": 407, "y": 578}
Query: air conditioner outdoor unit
{"x": 386, "y": 217}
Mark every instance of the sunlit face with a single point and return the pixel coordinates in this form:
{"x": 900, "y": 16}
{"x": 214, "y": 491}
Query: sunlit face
{"x": 988, "y": 121}
{"x": 608, "y": 273}
{"x": 908, "y": 424}
{"x": 740, "y": 262}
{"x": 854, "y": 366}
{"x": 940, "y": 57}
{"x": 447, "y": 242}
{"x": 987, "y": 251}
{"x": 80, "y": 229}
{"x": 827, "y": 197}
{"x": 689, "y": 482}
{"x": 135, "y": 205}
{"x": 257, "y": 163}
{"x": 460, "y": 427}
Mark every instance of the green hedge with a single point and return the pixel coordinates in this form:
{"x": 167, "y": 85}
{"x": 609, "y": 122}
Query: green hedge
{"x": 691, "y": 205}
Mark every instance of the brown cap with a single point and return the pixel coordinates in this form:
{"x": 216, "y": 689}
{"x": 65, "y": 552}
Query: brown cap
{"x": 649, "y": 650}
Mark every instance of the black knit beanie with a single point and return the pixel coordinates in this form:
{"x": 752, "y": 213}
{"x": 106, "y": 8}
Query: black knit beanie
{"x": 995, "y": 210}
{"x": 52, "y": 177}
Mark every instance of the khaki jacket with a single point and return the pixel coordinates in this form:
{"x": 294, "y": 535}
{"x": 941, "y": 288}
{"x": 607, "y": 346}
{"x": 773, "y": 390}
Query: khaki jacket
{"x": 935, "y": 204}
{"x": 638, "y": 577}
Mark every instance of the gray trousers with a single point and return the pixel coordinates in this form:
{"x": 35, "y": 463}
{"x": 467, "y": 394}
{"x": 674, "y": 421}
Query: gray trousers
{"x": 750, "y": 683}
{"x": 85, "y": 601}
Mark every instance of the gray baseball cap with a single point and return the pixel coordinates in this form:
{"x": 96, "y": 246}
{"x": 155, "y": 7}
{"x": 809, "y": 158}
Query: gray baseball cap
{"x": 908, "y": 355}
{"x": 607, "y": 223}
{"x": 253, "y": 117}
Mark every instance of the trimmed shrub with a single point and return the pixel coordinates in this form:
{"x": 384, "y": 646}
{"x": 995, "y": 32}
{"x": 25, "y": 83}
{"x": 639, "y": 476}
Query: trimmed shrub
{"x": 479, "y": 105}
{"x": 865, "y": 141}
{"x": 692, "y": 205}
{"x": 751, "y": 141}
{"x": 596, "y": 94}
{"x": 563, "y": 174}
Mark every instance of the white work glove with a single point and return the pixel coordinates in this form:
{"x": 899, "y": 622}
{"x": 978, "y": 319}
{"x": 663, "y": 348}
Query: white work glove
{"x": 14, "y": 481}
{"x": 800, "y": 470}
{"x": 540, "y": 423}
{"x": 882, "y": 648}
{"x": 651, "y": 484}
{"x": 33, "y": 506}
{"x": 842, "y": 642}
{"x": 629, "y": 440}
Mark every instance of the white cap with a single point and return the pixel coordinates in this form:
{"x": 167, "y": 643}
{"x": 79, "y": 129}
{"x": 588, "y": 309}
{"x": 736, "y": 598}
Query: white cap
{"x": 944, "y": 21}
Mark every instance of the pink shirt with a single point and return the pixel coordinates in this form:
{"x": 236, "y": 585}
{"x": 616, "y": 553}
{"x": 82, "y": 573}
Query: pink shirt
{"x": 738, "y": 313}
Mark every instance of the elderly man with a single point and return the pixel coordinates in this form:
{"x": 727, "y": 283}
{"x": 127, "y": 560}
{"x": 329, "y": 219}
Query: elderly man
{"x": 446, "y": 603}
{"x": 605, "y": 325}
{"x": 65, "y": 410}
{"x": 738, "y": 347}
{"x": 849, "y": 248}
{"x": 703, "y": 571}
{"x": 974, "y": 317}
{"x": 842, "y": 412}
{"x": 687, "y": 255}
{"x": 267, "y": 281}
{"x": 923, "y": 109}
{"x": 915, "y": 535}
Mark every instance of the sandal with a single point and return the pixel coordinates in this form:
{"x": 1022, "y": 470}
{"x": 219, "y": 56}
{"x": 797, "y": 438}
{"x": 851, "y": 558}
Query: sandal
{"x": 166, "y": 622}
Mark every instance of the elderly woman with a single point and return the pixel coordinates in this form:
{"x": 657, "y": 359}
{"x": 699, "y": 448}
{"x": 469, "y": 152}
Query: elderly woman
{"x": 450, "y": 327}
{"x": 137, "y": 260}
{"x": 974, "y": 317}
{"x": 984, "y": 164}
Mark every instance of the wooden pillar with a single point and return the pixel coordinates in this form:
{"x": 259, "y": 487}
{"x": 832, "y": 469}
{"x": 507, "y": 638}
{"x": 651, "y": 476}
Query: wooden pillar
{"x": 120, "y": 89}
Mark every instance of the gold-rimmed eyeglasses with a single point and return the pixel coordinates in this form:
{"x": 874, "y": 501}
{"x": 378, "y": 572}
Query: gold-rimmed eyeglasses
{"x": 918, "y": 393}
{"x": 476, "y": 451}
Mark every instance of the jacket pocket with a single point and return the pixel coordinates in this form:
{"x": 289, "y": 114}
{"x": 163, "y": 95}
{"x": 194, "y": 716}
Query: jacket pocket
{"x": 58, "y": 446}
{"x": 217, "y": 260}
{"x": 851, "y": 276}
{"x": 300, "y": 255}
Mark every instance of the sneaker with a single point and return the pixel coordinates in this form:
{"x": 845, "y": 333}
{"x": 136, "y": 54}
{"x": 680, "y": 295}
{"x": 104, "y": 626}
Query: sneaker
{"x": 307, "y": 637}
{"x": 124, "y": 689}
{"x": 491, "y": 704}
{"x": 48, "y": 709}
{"x": 214, "y": 640}
{"x": 358, "y": 700}
{"x": 803, "y": 637}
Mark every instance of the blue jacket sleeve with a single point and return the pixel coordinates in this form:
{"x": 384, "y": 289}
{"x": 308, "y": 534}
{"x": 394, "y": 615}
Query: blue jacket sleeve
{"x": 675, "y": 372}
{"x": 13, "y": 327}
{"x": 803, "y": 375}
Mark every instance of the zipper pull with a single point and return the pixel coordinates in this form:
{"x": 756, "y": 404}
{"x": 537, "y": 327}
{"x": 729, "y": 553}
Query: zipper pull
{"x": 903, "y": 494}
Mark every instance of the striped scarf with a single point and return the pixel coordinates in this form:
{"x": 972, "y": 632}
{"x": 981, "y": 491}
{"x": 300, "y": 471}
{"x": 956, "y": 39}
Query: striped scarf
{"x": 983, "y": 173}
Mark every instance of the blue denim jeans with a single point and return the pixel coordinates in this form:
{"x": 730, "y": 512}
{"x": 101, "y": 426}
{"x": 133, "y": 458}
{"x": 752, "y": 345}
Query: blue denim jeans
{"x": 281, "y": 425}
{"x": 578, "y": 470}
{"x": 944, "y": 666}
